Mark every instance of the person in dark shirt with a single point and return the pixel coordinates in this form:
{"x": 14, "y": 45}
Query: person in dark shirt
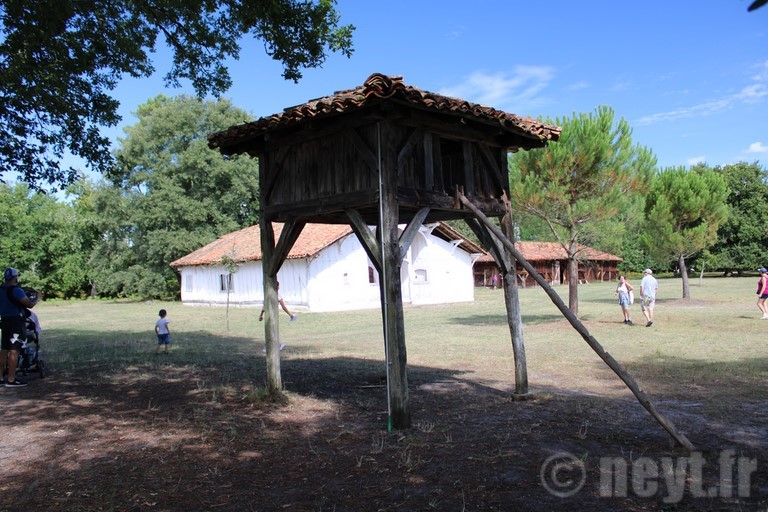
{"x": 14, "y": 305}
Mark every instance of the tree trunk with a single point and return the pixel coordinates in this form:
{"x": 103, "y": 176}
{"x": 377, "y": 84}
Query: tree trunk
{"x": 573, "y": 284}
{"x": 684, "y": 275}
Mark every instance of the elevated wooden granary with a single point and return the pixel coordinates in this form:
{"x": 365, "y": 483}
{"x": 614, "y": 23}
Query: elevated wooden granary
{"x": 381, "y": 154}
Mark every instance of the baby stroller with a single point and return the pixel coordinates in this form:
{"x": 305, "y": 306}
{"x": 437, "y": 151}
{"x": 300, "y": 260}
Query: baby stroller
{"x": 30, "y": 359}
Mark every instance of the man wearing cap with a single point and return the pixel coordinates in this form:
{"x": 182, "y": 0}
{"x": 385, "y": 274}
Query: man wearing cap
{"x": 13, "y": 308}
{"x": 762, "y": 292}
{"x": 648, "y": 287}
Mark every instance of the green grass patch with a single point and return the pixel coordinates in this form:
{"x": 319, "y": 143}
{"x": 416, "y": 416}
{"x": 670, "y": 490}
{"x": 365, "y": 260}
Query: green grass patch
{"x": 708, "y": 347}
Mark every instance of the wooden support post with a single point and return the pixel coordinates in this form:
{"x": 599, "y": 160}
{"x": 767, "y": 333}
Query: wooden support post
{"x": 614, "y": 365}
{"x": 389, "y": 284}
{"x": 514, "y": 317}
{"x": 271, "y": 311}
{"x": 506, "y": 262}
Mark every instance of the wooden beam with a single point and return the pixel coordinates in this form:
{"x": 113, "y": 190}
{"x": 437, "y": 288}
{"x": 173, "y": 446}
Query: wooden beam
{"x": 290, "y": 233}
{"x": 614, "y": 365}
{"x": 500, "y": 177}
{"x": 337, "y": 203}
{"x": 490, "y": 243}
{"x": 407, "y": 148}
{"x": 469, "y": 168}
{"x": 363, "y": 150}
{"x": 429, "y": 162}
{"x": 512, "y": 302}
{"x": 506, "y": 263}
{"x": 366, "y": 238}
{"x": 269, "y": 179}
{"x": 390, "y": 285}
{"x": 410, "y": 231}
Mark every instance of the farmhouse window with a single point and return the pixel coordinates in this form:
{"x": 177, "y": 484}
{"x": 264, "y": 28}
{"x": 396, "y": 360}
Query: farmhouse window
{"x": 226, "y": 282}
{"x": 420, "y": 276}
{"x": 371, "y": 275}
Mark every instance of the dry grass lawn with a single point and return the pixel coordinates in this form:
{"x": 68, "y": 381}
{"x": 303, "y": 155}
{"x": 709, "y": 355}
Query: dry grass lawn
{"x": 115, "y": 427}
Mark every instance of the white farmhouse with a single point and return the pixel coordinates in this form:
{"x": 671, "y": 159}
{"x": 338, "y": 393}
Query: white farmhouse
{"x": 328, "y": 270}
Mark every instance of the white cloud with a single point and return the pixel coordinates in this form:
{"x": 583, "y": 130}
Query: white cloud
{"x": 577, "y": 86}
{"x": 516, "y": 91}
{"x": 748, "y": 94}
{"x": 757, "y": 147}
{"x": 455, "y": 33}
{"x": 621, "y": 85}
{"x": 762, "y": 72}
{"x": 696, "y": 160}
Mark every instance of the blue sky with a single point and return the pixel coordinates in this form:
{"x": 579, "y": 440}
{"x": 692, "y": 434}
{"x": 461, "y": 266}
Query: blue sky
{"x": 690, "y": 77}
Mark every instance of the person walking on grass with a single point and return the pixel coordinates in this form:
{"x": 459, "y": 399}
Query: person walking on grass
{"x": 623, "y": 290}
{"x": 762, "y": 292}
{"x": 282, "y": 305}
{"x": 285, "y": 308}
{"x": 14, "y": 306}
{"x": 163, "y": 331}
{"x": 648, "y": 288}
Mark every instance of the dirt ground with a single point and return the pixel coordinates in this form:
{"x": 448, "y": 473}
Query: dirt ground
{"x": 197, "y": 439}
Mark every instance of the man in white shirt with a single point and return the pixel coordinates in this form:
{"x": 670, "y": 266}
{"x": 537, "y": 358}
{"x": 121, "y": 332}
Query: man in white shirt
{"x": 648, "y": 288}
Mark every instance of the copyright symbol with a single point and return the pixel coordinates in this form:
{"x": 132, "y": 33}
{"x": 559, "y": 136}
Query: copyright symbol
{"x": 563, "y": 474}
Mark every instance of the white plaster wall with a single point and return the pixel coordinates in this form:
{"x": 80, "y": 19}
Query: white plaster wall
{"x": 337, "y": 278}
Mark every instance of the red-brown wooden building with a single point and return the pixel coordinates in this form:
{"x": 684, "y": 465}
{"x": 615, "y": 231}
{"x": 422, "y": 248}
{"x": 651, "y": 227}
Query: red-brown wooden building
{"x": 551, "y": 261}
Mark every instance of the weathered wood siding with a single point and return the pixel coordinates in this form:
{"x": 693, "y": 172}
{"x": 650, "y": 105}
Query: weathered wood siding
{"x": 338, "y": 170}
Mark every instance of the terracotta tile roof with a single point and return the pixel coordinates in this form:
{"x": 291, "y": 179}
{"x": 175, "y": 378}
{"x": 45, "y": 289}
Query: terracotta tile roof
{"x": 547, "y": 251}
{"x": 377, "y": 88}
{"x": 246, "y": 244}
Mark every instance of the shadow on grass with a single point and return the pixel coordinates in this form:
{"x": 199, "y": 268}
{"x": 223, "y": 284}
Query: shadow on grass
{"x": 179, "y": 433}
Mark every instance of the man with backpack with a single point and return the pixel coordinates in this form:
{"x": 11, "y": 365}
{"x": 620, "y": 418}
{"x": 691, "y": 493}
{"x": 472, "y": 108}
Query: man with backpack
{"x": 13, "y": 310}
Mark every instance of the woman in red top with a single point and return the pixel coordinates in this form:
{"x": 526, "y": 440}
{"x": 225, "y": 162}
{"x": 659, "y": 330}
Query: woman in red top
{"x": 762, "y": 292}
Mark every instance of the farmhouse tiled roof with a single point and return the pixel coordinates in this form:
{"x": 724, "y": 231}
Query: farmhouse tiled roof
{"x": 549, "y": 251}
{"x": 245, "y": 244}
{"x": 377, "y": 88}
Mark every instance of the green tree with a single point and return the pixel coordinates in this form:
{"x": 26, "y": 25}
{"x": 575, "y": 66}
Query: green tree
{"x": 176, "y": 195}
{"x": 684, "y": 211}
{"x": 101, "y": 213}
{"x": 40, "y": 236}
{"x": 743, "y": 238}
{"x": 581, "y": 183}
{"x": 60, "y": 59}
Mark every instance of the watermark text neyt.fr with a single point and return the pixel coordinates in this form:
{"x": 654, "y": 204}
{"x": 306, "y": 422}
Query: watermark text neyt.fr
{"x": 643, "y": 476}
{"x": 730, "y": 476}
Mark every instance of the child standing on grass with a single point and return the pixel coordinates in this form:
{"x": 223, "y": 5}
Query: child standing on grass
{"x": 163, "y": 332}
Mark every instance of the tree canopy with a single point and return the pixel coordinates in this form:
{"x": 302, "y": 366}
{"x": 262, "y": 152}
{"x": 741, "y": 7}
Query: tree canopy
{"x": 743, "y": 238}
{"x": 581, "y": 182}
{"x": 171, "y": 194}
{"x": 59, "y": 60}
{"x": 684, "y": 210}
